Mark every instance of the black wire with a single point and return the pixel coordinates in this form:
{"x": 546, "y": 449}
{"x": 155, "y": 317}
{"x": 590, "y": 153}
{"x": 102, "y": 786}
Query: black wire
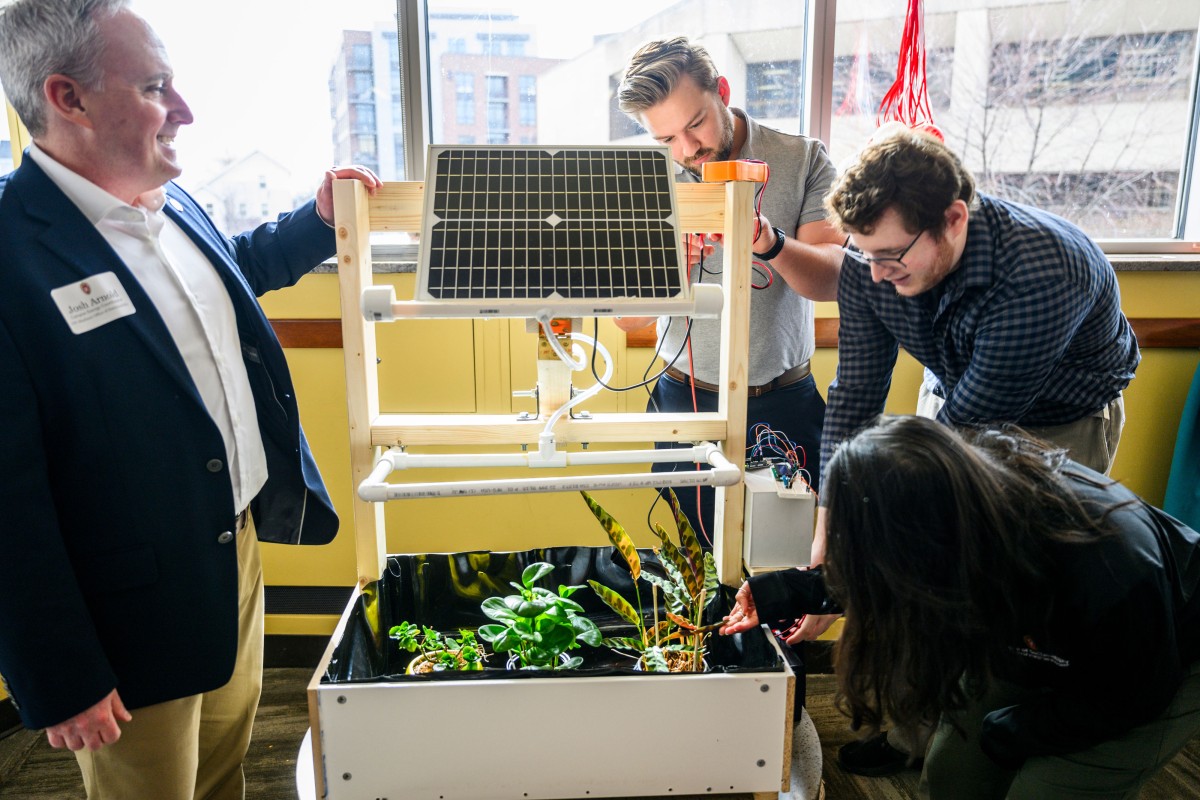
{"x": 762, "y": 275}
{"x": 596, "y": 375}
{"x": 657, "y": 352}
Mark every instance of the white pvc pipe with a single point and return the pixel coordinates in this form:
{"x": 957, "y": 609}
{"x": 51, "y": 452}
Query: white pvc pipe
{"x": 375, "y": 489}
{"x": 546, "y": 440}
{"x": 379, "y": 304}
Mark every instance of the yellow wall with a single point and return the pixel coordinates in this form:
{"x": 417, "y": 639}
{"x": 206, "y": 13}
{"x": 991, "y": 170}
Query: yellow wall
{"x": 430, "y": 365}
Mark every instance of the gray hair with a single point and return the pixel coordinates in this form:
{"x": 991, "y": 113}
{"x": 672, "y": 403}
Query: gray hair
{"x": 40, "y": 38}
{"x": 655, "y": 69}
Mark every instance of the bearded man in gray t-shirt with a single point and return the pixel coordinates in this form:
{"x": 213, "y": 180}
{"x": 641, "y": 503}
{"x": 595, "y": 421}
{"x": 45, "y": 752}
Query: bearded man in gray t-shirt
{"x": 672, "y": 88}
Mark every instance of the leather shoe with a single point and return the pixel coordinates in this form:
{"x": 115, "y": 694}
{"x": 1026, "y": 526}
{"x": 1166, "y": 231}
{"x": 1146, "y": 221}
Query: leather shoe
{"x": 874, "y": 757}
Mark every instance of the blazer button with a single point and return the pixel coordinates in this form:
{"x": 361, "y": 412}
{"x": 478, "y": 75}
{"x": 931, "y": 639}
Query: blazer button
{"x": 214, "y": 465}
{"x": 225, "y": 538}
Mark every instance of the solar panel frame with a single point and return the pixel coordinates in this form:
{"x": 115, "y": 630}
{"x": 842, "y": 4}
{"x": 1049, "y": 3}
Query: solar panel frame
{"x": 536, "y": 224}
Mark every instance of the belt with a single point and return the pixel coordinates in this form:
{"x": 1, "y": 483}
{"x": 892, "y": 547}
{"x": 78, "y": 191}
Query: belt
{"x": 793, "y": 375}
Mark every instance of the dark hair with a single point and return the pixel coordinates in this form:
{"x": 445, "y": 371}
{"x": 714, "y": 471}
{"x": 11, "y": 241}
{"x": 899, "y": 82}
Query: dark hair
{"x": 903, "y": 169}
{"x": 938, "y": 552}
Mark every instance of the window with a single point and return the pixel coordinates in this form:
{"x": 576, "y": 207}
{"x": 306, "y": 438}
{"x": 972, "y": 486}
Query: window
{"x": 568, "y": 59}
{"x": 773, "y": 89}
{"x": 528, "y": 98}
{"x": 497, "y": 115}
{"x": 1116, "y": 68}
{"x": 362, "y": 87}
{"x": 497, "y": 87}
{"x": 1081, "y": 109}
{"x": 497, "y": 109}
{"x": 360, "y": 57}
{"x": 1085, "y": 108}
{"x": 464, "y": 98}
{"x": 861, "y": 79}
{"x": 364, "y": 118}
{"x": 620, "y": 125}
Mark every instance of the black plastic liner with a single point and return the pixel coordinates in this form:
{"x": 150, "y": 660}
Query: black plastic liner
{"x": 444, "y": 591}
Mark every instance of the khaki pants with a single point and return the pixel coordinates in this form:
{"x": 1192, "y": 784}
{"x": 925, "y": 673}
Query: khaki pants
{"x": 1114, "y": 770}
{"x": 192, "y": 748}
{"x": 1091, "y": 441}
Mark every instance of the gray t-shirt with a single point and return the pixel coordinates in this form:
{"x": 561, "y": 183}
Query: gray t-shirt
{"x": 781, "y": 321}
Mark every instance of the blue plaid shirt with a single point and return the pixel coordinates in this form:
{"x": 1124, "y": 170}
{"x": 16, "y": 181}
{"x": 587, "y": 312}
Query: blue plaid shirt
{"x": 1027, "y": 329}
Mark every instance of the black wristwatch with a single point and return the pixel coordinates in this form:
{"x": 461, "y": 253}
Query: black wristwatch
{"x": 775, "y": 249}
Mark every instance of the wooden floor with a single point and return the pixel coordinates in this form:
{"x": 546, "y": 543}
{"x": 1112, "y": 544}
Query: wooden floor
{"x": 31, "y": 770}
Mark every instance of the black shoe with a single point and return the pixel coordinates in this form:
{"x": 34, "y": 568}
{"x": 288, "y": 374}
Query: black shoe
{"x": 874, "y": 757}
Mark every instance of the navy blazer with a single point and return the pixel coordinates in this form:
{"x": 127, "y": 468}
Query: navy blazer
{"x": 114, "y": 490}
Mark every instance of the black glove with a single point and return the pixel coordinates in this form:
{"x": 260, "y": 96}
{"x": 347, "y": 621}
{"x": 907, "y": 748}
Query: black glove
{"x": 791, "y": 593}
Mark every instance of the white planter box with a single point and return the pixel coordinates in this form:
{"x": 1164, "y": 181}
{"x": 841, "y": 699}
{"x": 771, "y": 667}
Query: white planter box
{"x": 578, "y": 736}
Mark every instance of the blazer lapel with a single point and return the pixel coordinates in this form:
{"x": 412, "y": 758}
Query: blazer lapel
{"x": 80, "y": 247}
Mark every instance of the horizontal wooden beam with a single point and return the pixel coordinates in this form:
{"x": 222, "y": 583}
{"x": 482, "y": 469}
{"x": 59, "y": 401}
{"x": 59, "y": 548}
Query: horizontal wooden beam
{"x": 1151, "y": 332}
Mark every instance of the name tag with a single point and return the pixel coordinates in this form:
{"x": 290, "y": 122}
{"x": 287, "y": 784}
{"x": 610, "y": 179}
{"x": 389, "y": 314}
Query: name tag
{"x": 92, "y": 302}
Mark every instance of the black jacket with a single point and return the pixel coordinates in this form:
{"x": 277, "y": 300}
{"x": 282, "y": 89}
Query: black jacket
{"x": 1122, "y": 628}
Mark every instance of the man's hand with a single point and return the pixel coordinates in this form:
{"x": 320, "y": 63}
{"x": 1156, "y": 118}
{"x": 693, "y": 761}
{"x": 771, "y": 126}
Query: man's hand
{"x": 764, "y": 235}
{"x": 93, "y": 728}
{"x": 628, "y": 324}
{"x": 325, "y": 190}
{"x": 697, "y": 245}
{"x": 744, "y": 615}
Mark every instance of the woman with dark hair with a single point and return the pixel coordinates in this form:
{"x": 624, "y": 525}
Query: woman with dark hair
{"x": 1043, "y": 615}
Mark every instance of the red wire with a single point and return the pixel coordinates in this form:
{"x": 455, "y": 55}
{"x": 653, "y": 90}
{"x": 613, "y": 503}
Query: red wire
{"x": 695, "y": 404}
{"x": 758, "y": 222}
{"x": 696, "y": 408}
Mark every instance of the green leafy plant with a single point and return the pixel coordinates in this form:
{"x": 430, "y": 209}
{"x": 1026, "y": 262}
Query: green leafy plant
{"x": 440, "y": 652}
{"x": 537, "y": 625}
{"x": 688, "y": 584}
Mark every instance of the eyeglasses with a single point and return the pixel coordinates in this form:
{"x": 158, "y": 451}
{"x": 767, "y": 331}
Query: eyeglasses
{"x": 885, "y": 261}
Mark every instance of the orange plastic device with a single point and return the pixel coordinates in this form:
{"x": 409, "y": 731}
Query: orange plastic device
{"x": 720, "y": 171}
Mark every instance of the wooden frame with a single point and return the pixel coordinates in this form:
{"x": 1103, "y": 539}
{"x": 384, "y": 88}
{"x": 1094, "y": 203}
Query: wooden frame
{"x": 725, "y": 208}
{"x": 710, "y": 207}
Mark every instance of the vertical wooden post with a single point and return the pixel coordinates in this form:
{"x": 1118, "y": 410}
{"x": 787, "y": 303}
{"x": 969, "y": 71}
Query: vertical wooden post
{"x": 353, "y": 224}
{"x": 729, "y": 525}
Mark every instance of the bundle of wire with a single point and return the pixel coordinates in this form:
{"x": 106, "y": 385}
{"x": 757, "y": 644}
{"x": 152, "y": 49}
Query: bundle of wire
{"x": 787, "y": 458}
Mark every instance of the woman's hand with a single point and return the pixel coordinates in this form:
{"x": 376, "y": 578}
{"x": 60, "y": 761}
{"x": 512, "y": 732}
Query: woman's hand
{"x": 744, "y": 615}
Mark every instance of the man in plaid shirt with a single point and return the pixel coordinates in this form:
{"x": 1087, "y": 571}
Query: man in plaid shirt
{"x": 1014, "y": 312}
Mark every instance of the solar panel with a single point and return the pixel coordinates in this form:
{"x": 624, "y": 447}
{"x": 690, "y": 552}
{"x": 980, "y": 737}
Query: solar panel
{"x": 535, "y": 223}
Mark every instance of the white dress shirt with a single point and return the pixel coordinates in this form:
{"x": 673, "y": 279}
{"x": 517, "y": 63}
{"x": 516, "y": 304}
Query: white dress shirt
{"x": 190, "y": 297}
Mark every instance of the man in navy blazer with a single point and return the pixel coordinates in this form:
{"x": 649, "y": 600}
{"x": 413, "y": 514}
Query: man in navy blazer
{"x": 149, "y": 425}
